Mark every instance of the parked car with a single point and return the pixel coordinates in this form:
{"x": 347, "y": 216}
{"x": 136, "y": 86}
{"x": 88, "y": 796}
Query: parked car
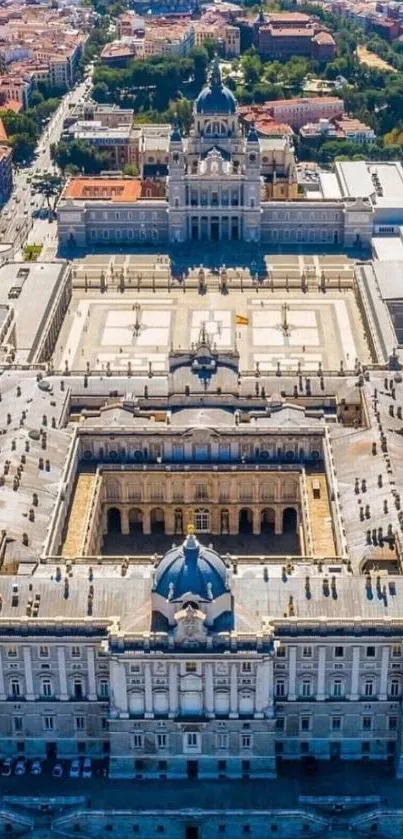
{"x": 36, "y": 767}
{"x": 7, "y": 768}
{"x": 58, "y": 771}
{"x": 75, "y": 768}
{"x": 20, "y": 767}
{"x": 87, "y": 768}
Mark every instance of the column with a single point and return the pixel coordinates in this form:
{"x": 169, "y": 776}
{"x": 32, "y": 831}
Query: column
{"x": 148, "y": 690}
{"x": 278, "y": 521}
{"x": 233, "y": 696}
{"x": 256, "y": 521}
{"x": 61, "y": 663}
{"x": 383, "y": 687}
{"x": 2, "y": 686}
{"x": 92, "y": 685}
{"x": 208, "y": 690}
{"x": 321, "y": 693}
{"x": 264, "y": 682}
{"x": 118, "y": 689}
{"x": 292, "y": 695}
{"x": 355, "y": 674}
{"x": 173, "y": 690}
{"x": 29, "y": 682}
{"x": 124, "y": 521}
{"x": 146, "y": 522}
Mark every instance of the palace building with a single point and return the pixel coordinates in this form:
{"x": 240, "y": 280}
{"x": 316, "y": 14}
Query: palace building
{"x": 201, "y": 546}
{"x": 227, "y": 183}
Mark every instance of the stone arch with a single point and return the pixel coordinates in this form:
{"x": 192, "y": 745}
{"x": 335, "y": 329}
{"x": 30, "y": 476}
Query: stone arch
{"x": 157, "y": 520}
{"x": 267, "y": 520}
{"x": 160, "y": 702}
{"x": 178, "y": 520}
{"x": 245, "y": 520}
{"x": 290, "y": 520}
{"x": 114, "y": 520}
{"x": 136, "y": 520}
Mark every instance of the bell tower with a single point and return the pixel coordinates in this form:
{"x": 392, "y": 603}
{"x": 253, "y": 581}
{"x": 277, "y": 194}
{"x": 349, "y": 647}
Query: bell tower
{"x": 176, "y": 187}
{"x": 252, "y": 186}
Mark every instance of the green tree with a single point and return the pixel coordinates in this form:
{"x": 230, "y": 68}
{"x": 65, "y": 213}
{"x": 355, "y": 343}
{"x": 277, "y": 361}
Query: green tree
{"x": 131, "y": 169}
{"x": 50, "y": 187}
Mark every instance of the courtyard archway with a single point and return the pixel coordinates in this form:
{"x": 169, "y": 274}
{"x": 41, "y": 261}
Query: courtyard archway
{"x": 135, "y": 520}
{"x": 114, "y": 520}
{"x": 157, "y": 520}
{"x": 289, "y": 520}
{"x": 245, "y": 520}
{"x": 267, "y": 520}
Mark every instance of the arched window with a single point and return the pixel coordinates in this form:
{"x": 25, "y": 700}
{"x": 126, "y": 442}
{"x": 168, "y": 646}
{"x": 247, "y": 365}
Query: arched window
{"x": 112, "y": 490}
{"x": 78, "y": 689}
{"x": 337, "y": 687}
{"x": 103, "y": 688}
{"x": 280, "y": 688}
{"x": 46, "y": 687}
{"x": 15, "y": 688}
{"x": 394, "y": 688}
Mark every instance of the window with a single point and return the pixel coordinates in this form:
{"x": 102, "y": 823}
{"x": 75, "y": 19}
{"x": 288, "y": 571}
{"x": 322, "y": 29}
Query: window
{"x": 192, "y": 741}
{"x": 161, "y": 741}
{"x": 280, "y": 723}
{"x": 394, "y": 689}
{"x": 339, "y": 652}
{"x": 49, "y": 723}
{"x": 370, "y": 652}
{"x": 15, "y": 688}
{"x": 281, "y": 652}
{"x": 392, "y": 723}
{"x": 104, "y": 688}
{"x": 46, "y": 687}
{"x": 43, "y": 652}
{"x": 307, "y": 652}
{"x": 12, "y": 652}
{"x": 17, "y": 724}
{"x": 367, "y": 723}
{"x": 137, "y": 741}
{"x": 280, "y": 687}
{"x": 368, "y": 687}
{"x": 80, "y": 723}
{"x": 335, "y": 723}
{"x": 246, "y": 741}
{"x": 222, "y": 741}
{"x": 246, "y": 667}
{"x": 202, "y": 521}
{"x": 396, "y": 651}
{"x": 78, "y": 689}
{"x": 76, "y": 652}
{"x": 305, "y": 723}
{"x": 201, "y": 493}
{"x": 337, "y": 687}
{"x": 191, "y": 667}
{"x": 306, "y": 688}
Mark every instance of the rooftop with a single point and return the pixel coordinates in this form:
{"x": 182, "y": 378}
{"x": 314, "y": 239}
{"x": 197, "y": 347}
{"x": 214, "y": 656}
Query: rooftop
{"x": 103, "y": 189}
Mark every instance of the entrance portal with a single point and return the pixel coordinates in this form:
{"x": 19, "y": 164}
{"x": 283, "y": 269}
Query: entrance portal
{"x": 157, "y": 520}
{"x": 245, "y": 520}
{"x": 135, "y": 520}
{"x": 289, "y": 520}
{"x": 114, "y": 523}
{"x": 267, "y": 521}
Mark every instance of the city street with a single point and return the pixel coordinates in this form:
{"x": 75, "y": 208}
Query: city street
{"x": 17, "y": 224}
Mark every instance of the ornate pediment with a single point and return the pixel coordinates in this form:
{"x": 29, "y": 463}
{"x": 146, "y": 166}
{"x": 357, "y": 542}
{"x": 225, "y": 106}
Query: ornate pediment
{"x": 190, "y": 630}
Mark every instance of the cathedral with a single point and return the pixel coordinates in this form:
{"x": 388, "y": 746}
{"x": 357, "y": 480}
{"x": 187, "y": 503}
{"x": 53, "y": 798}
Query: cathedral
{"x": 215, "y": 175}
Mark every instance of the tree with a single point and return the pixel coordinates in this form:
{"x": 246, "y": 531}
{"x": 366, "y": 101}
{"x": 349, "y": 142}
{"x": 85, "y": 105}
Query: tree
{"x": 131, "y": 169}
{"x": 50, "y": 187}
{"x": 252, "y": 68}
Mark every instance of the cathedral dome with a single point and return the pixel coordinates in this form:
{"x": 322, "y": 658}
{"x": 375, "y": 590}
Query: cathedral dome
{"x": 191, "y": 568}
{"x": 216, "y": 98}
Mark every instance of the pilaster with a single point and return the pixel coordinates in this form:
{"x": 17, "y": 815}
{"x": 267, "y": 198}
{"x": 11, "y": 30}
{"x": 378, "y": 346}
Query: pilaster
{"x": 29, "y": 682}
{"x": 92, "y": 685}
{"x": 61, "y": 663}
{"x": 355, "y": 674}
{"x": 148, "y": 691}
{"x": 292, "y": 695}
{"x": 321, "y": 674}
{"x": 383, "y": 686}
{"x": 233, "y": 697}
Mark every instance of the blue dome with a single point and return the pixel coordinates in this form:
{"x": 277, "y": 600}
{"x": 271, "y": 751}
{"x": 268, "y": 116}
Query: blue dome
{"x": 216, "y": 98}
{"x": 191, "y": 568}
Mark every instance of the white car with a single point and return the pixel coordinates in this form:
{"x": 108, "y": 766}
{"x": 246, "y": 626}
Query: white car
{"x": 75, "y": 769}
{"x": 20, "y": 767}
{"x": 87, "y": 768}
{"x": 36, "y": 767}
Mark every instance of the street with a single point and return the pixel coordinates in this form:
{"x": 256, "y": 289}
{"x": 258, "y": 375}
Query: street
{"x": 18, "y": 225}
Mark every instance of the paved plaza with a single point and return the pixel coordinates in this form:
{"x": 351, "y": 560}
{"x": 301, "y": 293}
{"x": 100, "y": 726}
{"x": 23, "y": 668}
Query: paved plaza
{"x": 292, "y": 329}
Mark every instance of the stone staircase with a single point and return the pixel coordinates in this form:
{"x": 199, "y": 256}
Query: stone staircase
{"x": 320, "y": 515}
{"x": 78, "y": 513}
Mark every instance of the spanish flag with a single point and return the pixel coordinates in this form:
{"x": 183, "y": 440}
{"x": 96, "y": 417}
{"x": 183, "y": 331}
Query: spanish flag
{"x": 241, "y": 320}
